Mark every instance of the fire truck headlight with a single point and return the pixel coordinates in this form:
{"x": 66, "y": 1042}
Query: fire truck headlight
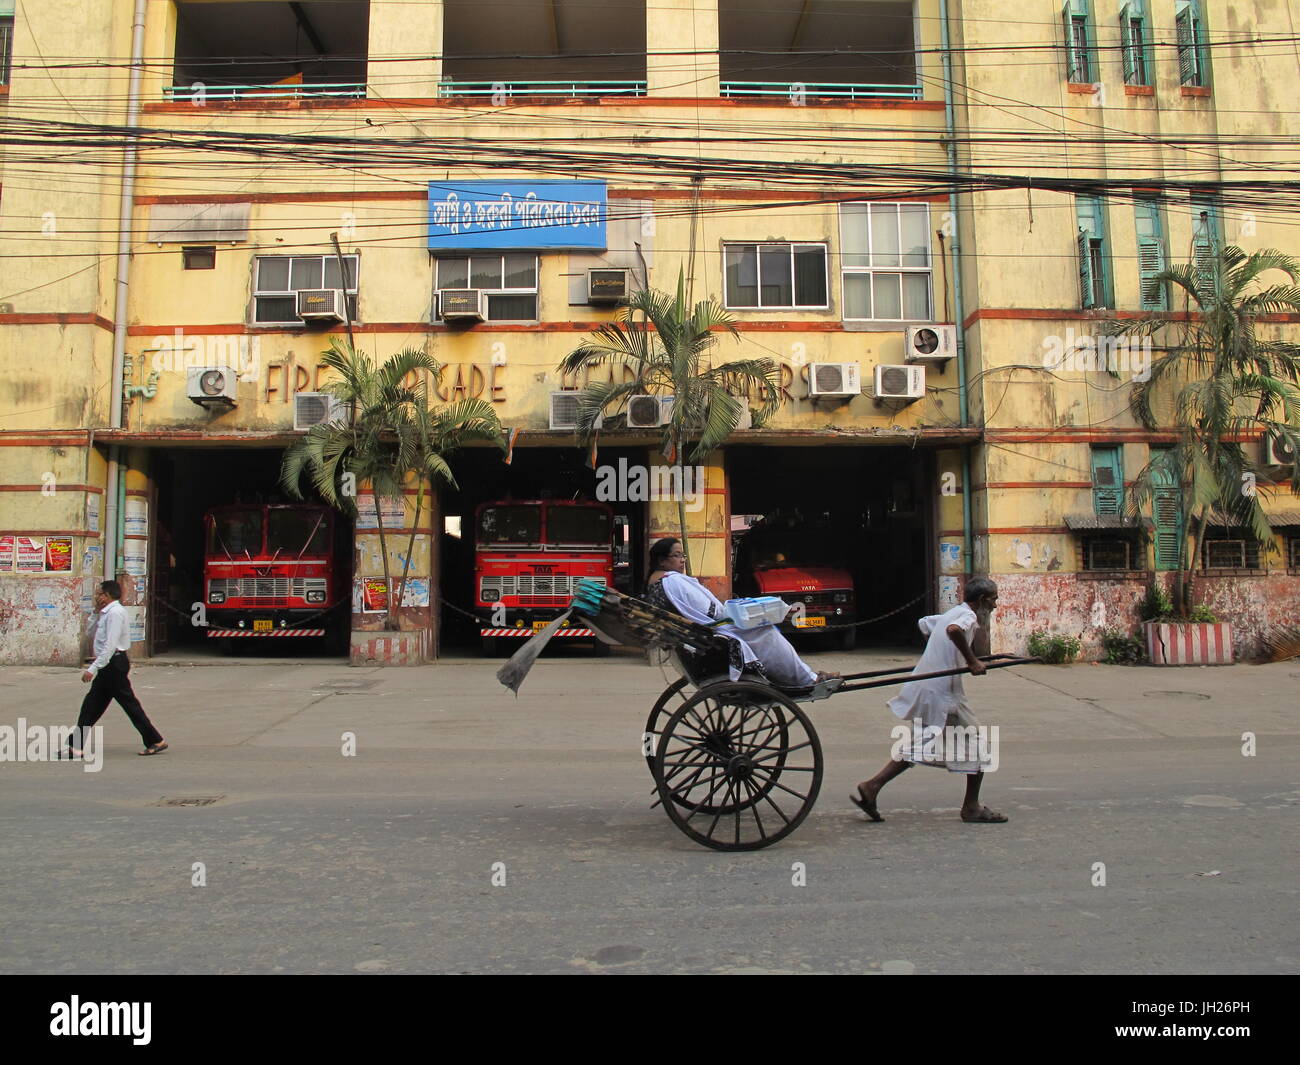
{"x": 216, "y": 597}
{"x": 241, "y": 623}
{"x": 315, "y": 597}
{"x": 841, "y": 597}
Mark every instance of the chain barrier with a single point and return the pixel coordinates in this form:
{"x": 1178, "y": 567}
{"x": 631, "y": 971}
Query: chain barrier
{"x": 821, "y": 628}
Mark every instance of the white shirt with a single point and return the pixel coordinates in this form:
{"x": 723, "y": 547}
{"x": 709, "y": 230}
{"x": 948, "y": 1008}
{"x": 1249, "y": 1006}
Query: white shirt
{"x": 112, "y": 634}
{"x": 933, "y": 700}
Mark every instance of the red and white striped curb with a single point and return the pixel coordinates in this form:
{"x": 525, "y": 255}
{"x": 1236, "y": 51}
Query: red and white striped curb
{"x": 273, "y": 632}
{"x": 1198, "y": 644}
{"x": 531, "y": 632}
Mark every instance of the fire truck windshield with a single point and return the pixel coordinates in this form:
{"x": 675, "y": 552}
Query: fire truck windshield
{"x": 510, "y": 525}
{"x": 577, "y": 525}
{"x": 294, "y": 532}
{"x": 235, "y": 533}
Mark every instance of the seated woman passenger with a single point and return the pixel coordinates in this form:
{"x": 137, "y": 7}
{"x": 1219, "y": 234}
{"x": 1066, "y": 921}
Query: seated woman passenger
{"x": 670, "y": 588}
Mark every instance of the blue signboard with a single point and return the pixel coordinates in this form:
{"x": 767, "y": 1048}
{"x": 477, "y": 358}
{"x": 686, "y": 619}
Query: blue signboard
{"x": 510, "y": 215}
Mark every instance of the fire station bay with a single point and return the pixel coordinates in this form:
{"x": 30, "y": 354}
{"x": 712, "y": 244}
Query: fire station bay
{"x": 423, "y": 192}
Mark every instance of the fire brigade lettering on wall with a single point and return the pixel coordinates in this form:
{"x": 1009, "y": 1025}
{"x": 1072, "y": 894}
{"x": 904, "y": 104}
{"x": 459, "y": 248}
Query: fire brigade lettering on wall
{"x": 466, "y": 380}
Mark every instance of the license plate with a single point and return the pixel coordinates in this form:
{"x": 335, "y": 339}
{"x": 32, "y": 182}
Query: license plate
{"x": 810, "y": 623}
{"x": 539, "y": 625}
{"x": 263, "y": 625}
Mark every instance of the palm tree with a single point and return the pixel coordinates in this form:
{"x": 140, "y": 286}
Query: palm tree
{"x": 666, "y": 352}
{"x": 391, "y": 436}
{"x": 1217, "y": 383}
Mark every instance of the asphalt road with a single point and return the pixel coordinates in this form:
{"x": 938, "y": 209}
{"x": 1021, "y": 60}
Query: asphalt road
{"x": 385, "y": 861}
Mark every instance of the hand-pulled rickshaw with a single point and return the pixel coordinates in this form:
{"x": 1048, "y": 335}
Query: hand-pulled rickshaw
{"x": 737, "y": 764}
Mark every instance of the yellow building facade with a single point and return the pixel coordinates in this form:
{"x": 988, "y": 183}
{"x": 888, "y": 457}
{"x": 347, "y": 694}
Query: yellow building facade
{"x": 840, "y": 177}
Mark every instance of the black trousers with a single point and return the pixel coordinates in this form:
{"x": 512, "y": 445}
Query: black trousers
{"x": 112, "y": 682}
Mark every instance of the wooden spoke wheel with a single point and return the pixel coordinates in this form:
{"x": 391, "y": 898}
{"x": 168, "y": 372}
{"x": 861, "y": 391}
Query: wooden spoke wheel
{"x": 665, "y": 706}
{"x": 738, "y": 766}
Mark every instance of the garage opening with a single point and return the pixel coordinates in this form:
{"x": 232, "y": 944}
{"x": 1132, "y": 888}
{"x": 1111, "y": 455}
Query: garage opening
{"x": 538, "y": 541}
{"x": 273, "y": 572}
{"x": 844, "y": 531}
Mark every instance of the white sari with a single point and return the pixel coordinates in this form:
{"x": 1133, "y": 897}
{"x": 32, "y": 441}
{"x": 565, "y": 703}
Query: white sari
{"x": 764, "y": 644}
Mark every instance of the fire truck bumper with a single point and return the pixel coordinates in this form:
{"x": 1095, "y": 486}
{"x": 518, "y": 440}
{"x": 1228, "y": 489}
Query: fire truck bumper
{"x": 271, "y": 623}
{"x": 524, "y": 623}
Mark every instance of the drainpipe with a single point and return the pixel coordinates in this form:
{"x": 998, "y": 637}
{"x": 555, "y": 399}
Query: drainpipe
{"x": 950, "y": 123}
{"x": 115, "y": 489}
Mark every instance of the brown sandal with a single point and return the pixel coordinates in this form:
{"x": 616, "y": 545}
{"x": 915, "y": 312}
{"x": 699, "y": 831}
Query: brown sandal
{"x": 157, "y": 748}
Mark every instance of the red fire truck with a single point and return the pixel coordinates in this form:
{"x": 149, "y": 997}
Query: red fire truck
{"x": 272, "y": 570}
{"x": 528, "y": 558}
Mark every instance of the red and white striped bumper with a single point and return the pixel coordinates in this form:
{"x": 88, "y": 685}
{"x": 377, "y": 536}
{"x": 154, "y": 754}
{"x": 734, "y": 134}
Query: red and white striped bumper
{"x": 273, "y": 632}
{"x": 530, "y": 632}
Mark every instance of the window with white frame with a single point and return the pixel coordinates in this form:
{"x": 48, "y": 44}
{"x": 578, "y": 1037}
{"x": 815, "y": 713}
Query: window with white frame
{"x": 776, "y": 276}
{"x": 279, "y": 279}
{"x": 885, "y": 261}
{"x": 509, "y": 283}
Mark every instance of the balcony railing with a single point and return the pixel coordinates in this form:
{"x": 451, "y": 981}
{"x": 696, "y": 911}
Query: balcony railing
{"x": 569, "y": 90}
{"x": 835, "y": 90}
{"x": 198, "y": 92}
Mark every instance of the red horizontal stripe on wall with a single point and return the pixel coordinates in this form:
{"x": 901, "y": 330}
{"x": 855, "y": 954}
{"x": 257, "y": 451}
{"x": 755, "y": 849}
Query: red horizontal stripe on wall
{"x": 56, "y": 318}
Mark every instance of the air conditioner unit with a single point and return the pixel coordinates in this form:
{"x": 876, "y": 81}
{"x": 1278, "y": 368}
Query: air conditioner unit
{"x": 461, "y": 304}
{"x": 930, "y": 343}
{"x": 834, "y": 379}
{"x": 607, "y": 286}
{"x": 211, "y": 386}
{"x": 900, "y": 382}
{"x": 317, "y": 408}
{"x": 320, "y": 304}
{"x": 564, "y": 411}
{"x": 1277, "y": 452}
{"x": 649, "y": 412}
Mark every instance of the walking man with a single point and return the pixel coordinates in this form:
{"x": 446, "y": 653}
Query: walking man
{"x": 108, "y": 677}
{"x": 937, "y": 707}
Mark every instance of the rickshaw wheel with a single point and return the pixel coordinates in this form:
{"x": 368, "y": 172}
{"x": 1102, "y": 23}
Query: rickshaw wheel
{"x": 664, "y": 707}
{"x": 738, "y": 766}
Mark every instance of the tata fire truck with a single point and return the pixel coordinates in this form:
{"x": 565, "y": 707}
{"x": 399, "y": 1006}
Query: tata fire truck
{"x": 796, "y": 563}
{"x": 272, "y": 570}
{"x": 528, "y": 558}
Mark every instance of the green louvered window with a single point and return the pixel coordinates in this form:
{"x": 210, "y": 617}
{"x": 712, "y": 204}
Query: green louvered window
{"x": 1166, "y": 510}
{"x": 1207, "y": 234}
{"x": 1107, "y": 480}
{"x": 1095, "y": 288}
{"x": 1139, "y": 69}
{"x": 1079, "y": 61}
{"x": 1151, "y": 256}
{"x": 1189, "y": 28}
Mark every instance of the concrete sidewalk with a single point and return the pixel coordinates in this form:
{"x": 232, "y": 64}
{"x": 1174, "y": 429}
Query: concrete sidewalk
{"x": 318, "y": 862}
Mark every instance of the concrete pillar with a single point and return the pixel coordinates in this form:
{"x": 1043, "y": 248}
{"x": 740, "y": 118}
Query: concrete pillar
{"x": 675, "y": 31}
{"x": 138, "y": 525}
{"x": 708, "y": 520}
{"x": 415, "y": 639}
{"x": 398, "y": 28}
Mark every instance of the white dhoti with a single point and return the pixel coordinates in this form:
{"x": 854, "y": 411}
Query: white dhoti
{"x": 944, "y": 733}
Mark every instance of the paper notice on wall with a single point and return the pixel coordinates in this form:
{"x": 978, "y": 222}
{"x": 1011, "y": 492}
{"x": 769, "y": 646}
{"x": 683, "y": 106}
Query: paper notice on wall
{"x": 949, "y": 557}
{"x": 948, "y": 594}
{"x": 31, "y": 554}
{"x": 7, "y": 551}
{"x": 92, "y": 560}
{"x": 135, "y": 618}
{"x": 374, "y": 595}
{"x": 416, "y": 592}
{"x": 92, "y": 511}
{"x": 392, "y": 510}
{"x": 135, "y": 554}
{"x": 58, "y": 554}
{"x": 136, "y": 517}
